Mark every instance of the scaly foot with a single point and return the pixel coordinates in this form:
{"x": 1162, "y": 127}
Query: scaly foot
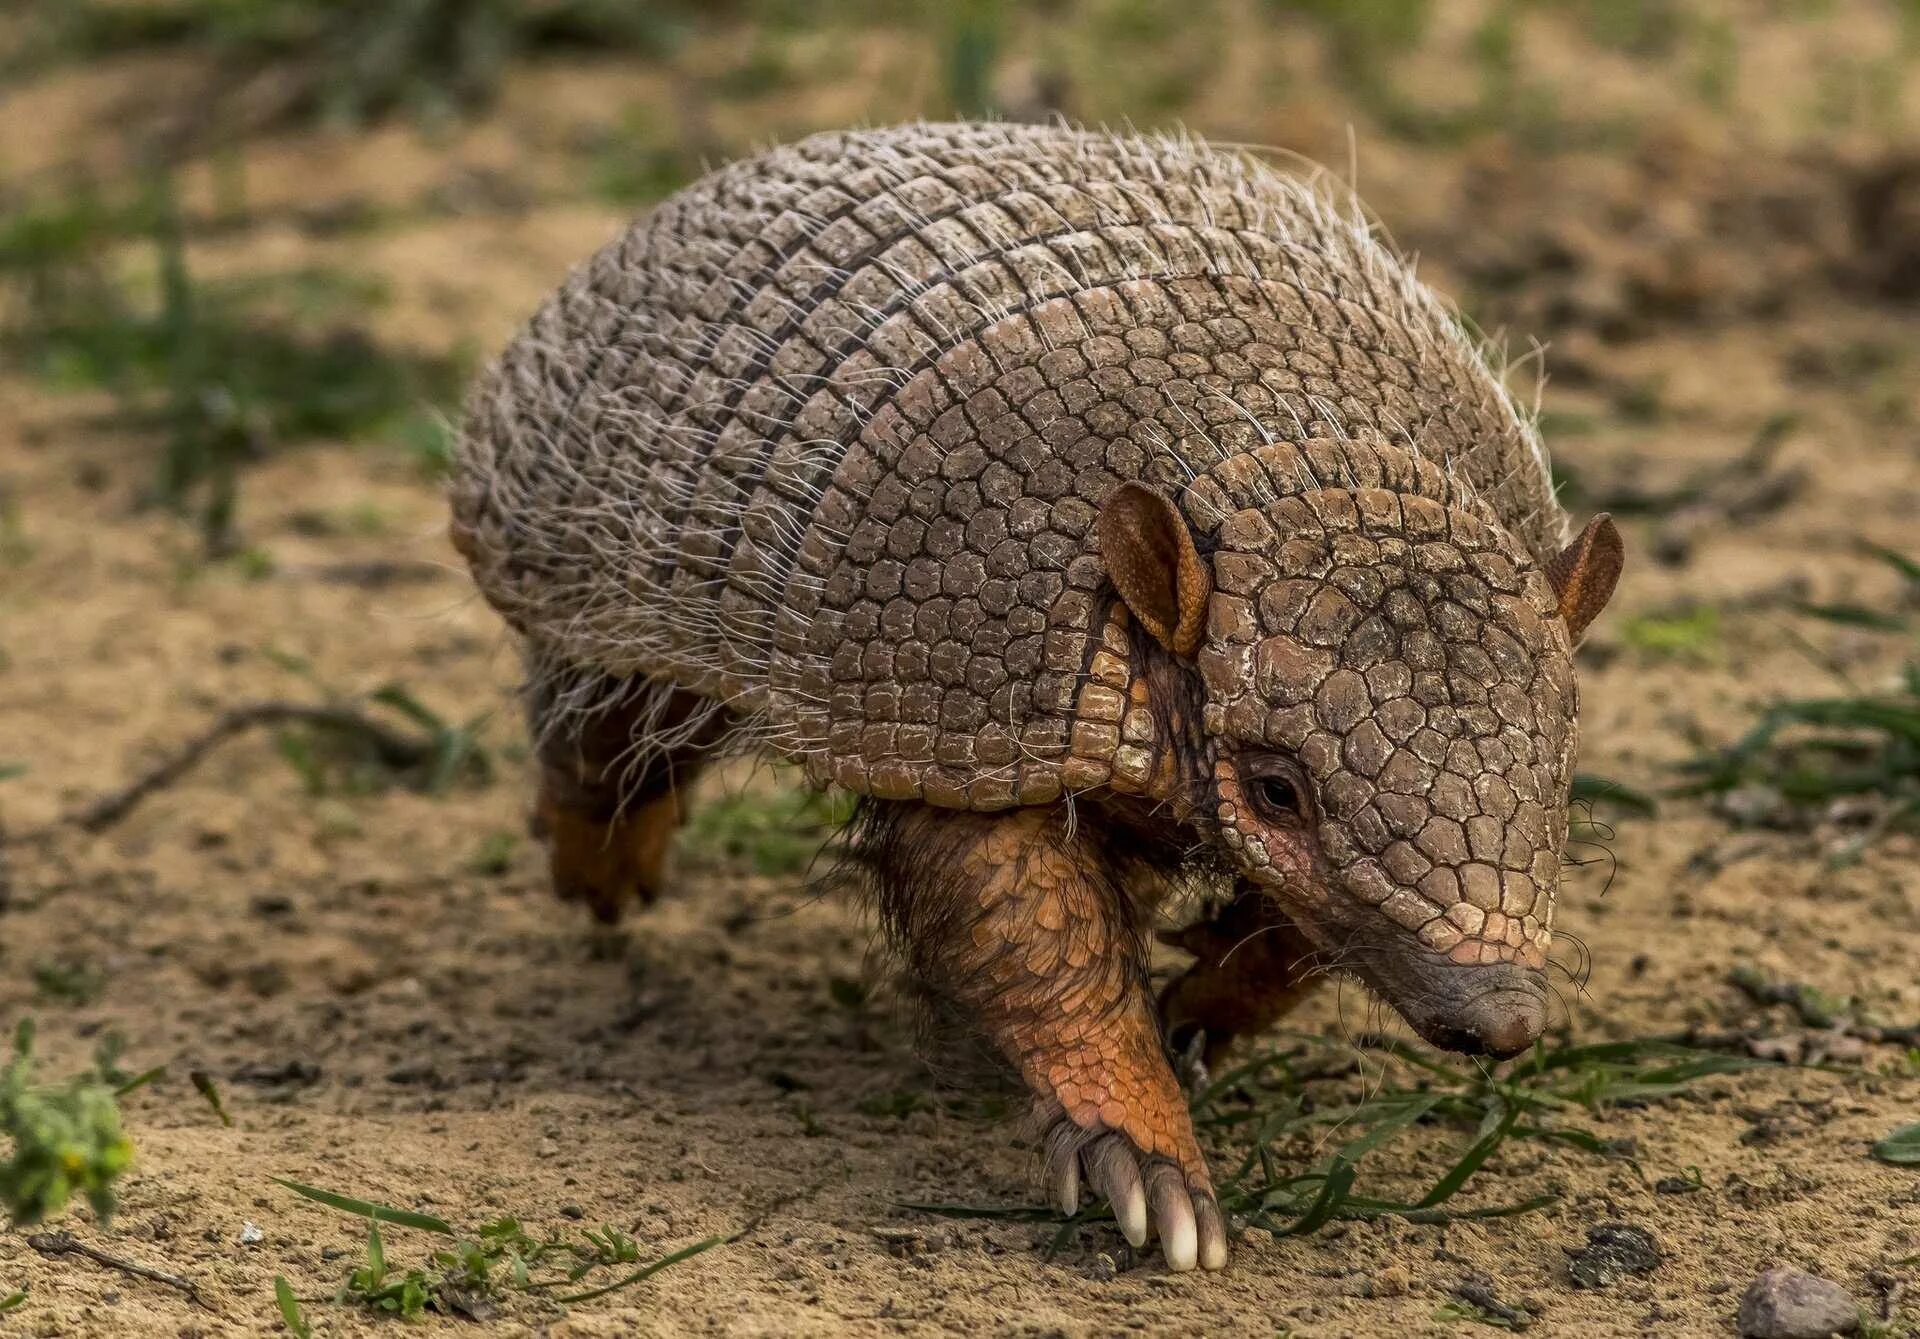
{"x": 1150, "y": 1193}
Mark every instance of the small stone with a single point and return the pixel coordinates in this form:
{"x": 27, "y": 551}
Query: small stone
{"x": 1391, "y": 1281}
{"x": 1788, "y": 1303}
{"x": 1756, "y": 806}
{"x": 1102, "y": 1269}
{"x": 1676, "y": 1185}
{"x": 251, "y": 1235}
{"x": 900, "y": 1241}
{"x": 1613, "y": 1251}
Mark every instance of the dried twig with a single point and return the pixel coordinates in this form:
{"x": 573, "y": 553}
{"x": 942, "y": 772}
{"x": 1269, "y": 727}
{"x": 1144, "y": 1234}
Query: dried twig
{"x": 395, "y": 751}
{"x": 54, "y": 1244}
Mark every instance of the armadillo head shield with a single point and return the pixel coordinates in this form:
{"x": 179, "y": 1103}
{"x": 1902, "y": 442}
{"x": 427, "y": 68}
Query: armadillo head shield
{"x": 1390, "y": 722}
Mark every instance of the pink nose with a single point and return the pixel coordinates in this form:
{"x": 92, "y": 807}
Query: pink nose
{"x": 1511, "y": 1035}
{"x": 1501, "y": 1024}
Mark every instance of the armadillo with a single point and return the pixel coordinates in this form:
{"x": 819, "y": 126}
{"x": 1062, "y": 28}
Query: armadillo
{"x": 1116, "y": 515}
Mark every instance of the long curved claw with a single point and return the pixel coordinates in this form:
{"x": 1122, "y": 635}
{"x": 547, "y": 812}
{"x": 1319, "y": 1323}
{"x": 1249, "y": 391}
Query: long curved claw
{"x": 1173, "y": 1216}
{"x": 1114, "y": 1170}
{"x": 1063, "y": 1168}
{"x": 1149, "y": 1194}
{"x": 1212, "y": 1228}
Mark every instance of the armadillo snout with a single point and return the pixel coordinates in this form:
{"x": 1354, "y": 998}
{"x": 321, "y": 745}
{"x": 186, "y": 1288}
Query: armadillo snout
{"x": 1495, "y": 1009}
{"x": 1501, "y": 1026}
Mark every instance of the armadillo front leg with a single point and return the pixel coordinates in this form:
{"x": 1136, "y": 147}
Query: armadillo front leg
{"x": 1017, "y": 922}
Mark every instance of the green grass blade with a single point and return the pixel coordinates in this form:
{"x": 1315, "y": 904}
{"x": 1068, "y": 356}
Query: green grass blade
{"x": 1335, "y": 1187}
{"x": 1584, "y": 1140}
{"x": 1389, "y": 1127}
{"x": 1596, "y": 789}
{"x": 1362, "y": 1207}
{"x": 383, "y": 1213}
{"x": 140, "y": 1081}
{"x": 290, "y": 1309}
{"x": 1470, "y": 1162}
{"x": 1901, "y": 1147}
{"x": 203, "y": 1084}
{"x": 1852, "y": 616}
{"x": 1605, "y": 1053}
{"x": 1893, "y": 558}
{"x": 1068, "y": 1231}
{"x": 648, "y": 1271}
{"x": 1271, "y": 1128}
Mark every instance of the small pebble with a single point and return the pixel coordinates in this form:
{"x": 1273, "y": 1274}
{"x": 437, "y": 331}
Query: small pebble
{"x": 1391, "y": 1281}
{"x": 1755, "y": 806}
{"x": 1102, "y": 1268}
{"x": 900, "y": 1241}
{"x": 1613, "y": 1251}
{"x": 1790, "y": 1303}
{"x": 251, "y": 1235}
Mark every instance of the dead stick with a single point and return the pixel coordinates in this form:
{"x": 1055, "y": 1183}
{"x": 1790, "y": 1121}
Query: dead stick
{"x": 53, "y": 1244}
{"x": 396, "y": 751}
{"x": 98, "y": 815}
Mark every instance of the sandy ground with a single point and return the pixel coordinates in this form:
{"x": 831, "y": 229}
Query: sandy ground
{"x": 387, "y": 1019}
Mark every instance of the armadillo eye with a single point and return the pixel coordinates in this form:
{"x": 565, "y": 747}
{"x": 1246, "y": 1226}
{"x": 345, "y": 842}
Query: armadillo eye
{"x": 1275, "y": 797}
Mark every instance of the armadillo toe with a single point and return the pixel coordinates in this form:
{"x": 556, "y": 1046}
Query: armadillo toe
{"x": 1150, "y": 1195}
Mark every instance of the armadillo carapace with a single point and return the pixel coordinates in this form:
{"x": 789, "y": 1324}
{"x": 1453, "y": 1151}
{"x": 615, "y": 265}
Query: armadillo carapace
{"x": 1110, "y": 512}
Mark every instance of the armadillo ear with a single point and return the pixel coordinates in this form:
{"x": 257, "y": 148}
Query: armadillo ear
{"x": 1584, "y": 573}
{"x": 1151, "y": 558}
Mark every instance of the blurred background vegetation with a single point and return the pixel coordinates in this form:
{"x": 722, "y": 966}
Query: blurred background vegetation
{"x": 192, "y": 188}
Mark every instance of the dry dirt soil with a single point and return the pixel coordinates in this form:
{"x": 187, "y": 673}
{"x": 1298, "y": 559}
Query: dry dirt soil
{"x": 393, "y": 1005}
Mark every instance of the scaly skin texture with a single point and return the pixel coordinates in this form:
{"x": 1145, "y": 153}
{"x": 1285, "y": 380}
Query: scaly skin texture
{"x": 1060, "y": 494}
{"x": 1400, "y": 648}
{"x": 1031, "y": 930}
{"x": 1037, "y": 943}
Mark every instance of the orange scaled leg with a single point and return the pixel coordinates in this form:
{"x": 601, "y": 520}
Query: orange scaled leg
{"x": 1023, "y": 927}
{"x": 1249, "y": 970}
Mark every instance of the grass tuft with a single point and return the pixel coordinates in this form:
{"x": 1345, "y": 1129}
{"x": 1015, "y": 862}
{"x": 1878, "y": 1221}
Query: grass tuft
{"x": 1280, "y": 1108}
{"x": 472, "y": 1272}
{"x": 100, "y": 297}
{"x": 1813, "y": 751}
{"x": 66, "y": 1140}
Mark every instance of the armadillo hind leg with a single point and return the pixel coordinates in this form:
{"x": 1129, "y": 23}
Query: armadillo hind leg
{"x": 1250, "y": 968}
{"x": 613, "y": 782}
